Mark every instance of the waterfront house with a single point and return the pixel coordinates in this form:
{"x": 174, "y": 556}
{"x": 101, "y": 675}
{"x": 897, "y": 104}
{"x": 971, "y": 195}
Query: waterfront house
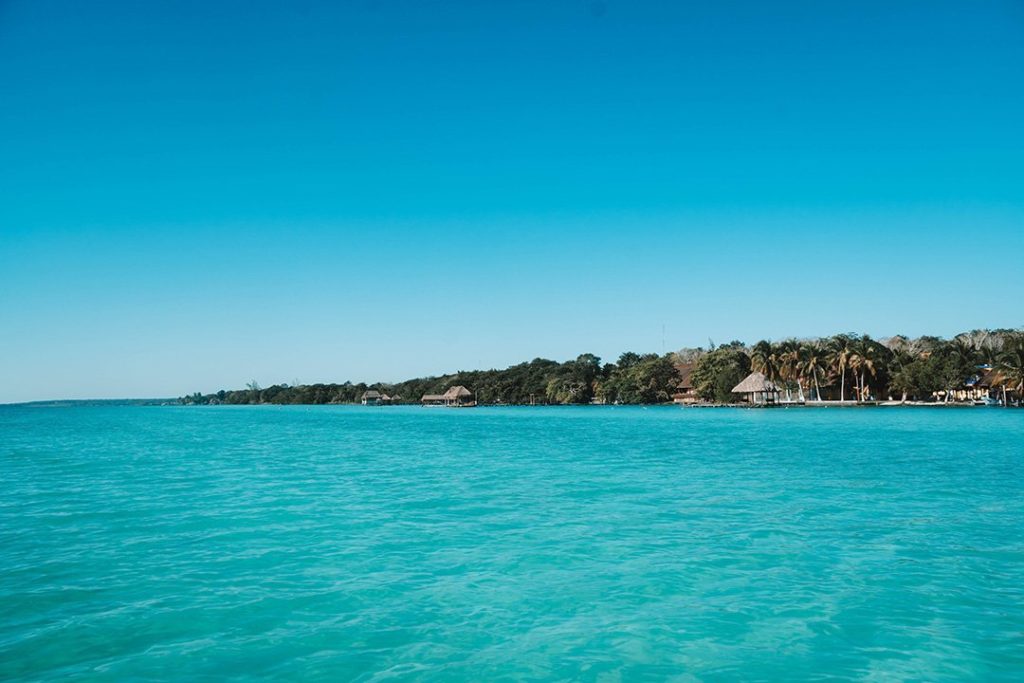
{"x": 757, "y": 389}
{"x": 459, "y": 396}
{"x": 986, "y": 383}
{"x": 372, "y": 397}
{"x": 994, "y": 384}
{"x": 685, "y": 392}
{"x": 455, "y": 397}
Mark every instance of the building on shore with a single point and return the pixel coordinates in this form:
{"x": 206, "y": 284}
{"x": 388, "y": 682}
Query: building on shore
{"x": 757, "y": 390}
{"x": 685, "y": 393}
{"x": 372, "y": 397}
{"x": 459, "y": 396}
{"x": 455, "y": 397}
{"x": 987, "y": 384}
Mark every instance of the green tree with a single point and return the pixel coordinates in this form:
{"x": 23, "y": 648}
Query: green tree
{"x": 812, "y": 365}
{"x": 865, "y": 359}
{"x": 647, "y": 378}
{"x": 840, "y": 349}
{"x": 789, "y": 352}
{"x": 764, "y": 358}
{"x": 1010, "y": 366}
{"x": 718, "y": 371}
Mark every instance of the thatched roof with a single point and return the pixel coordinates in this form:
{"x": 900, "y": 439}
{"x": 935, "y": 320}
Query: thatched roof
{"x": 755, "y": 382}
{"x": 432, "y": 397}
{"x": 685, "y": 371}
{"x": 372, "y": 393}
{"x": 990, "y": 379}
{"x": 458, "y": 392}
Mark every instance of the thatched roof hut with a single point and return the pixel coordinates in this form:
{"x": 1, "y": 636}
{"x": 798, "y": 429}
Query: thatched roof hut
{"x": 685, "y": 391}
{"x": 758, "y": 388}
{"x": 455, "y": 396}
{"x": 458, "y": 396}
{"x": 989, "y": 379}
{"x": 754, "y": 382}
{"x": 685, "y": 371}
{"x": 457, "y": 393}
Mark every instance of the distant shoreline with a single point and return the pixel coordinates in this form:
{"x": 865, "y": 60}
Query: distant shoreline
{"x": 164, "y": 403}
{"x": 843, "y": 370}
{"x": 77, "y": 402}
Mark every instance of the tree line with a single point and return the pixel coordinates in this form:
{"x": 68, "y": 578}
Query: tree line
{"x": 845, "y": 367}
{"x": 636, "y": 378}
{"x": 851, "y": 367}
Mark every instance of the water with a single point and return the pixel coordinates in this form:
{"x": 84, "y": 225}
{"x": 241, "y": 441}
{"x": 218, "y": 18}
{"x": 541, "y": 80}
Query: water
{"x": 603, "y": 544}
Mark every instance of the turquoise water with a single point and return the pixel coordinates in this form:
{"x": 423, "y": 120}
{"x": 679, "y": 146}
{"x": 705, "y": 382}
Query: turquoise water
{"x": 604, "y": 544}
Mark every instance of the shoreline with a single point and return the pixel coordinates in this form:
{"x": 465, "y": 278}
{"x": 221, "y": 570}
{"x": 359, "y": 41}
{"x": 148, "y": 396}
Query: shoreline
{"x": 142, "y": 403}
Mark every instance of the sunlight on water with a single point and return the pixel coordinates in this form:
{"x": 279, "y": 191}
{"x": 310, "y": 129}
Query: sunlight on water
{"x": 343, "y": 543}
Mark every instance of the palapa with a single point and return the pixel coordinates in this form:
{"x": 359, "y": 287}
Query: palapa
{"x": 755, "y": 383}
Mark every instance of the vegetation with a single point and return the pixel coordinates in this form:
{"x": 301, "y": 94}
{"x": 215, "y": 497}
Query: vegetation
{"x": 844, "y": 367}
{"x": 719, "y": 370}
{"x": 648, "y": 378}
{"x": 849, "y": 367}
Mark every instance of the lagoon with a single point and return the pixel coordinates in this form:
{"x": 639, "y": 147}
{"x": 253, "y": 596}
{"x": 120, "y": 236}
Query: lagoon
{"x": 588, "y": 543}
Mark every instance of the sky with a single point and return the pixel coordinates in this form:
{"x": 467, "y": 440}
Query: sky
{"x": 194, "y": 195}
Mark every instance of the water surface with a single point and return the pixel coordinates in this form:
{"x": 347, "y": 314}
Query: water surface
{"x": 606, "y": 544}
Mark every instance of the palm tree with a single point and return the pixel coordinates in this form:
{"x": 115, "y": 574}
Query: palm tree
{"x": 901, "y": 352}
{"x": 811, "y": 363}
{"x": 788, "y": 353}
{"x": 1011, "y": 366}
{"x": 864, "y": 360}
{"x": 839, "y": 352}
{"x": 765, "y": 359}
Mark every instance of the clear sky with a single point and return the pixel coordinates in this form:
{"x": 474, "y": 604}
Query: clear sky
{"x": 196, "y": 194}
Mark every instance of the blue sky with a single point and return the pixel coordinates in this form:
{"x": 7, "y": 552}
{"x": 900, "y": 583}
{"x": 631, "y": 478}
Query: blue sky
{"x": 196, "y": 194}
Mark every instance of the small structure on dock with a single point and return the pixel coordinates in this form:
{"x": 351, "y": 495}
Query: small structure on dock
{"x": 372, "y": 397}
{"x": 455, "y": 397}
{"x": 459, "y": 396}
{"x": 757, "y": 389}
{"x": 685, "y": 393}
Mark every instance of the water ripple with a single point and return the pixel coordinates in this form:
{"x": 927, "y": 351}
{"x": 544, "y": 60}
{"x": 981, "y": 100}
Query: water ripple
{"x": 339, "y": 543}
